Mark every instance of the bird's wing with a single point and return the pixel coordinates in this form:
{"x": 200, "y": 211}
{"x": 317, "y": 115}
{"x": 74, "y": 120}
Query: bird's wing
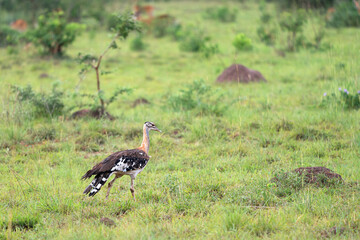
{"x": 122, "y": 161}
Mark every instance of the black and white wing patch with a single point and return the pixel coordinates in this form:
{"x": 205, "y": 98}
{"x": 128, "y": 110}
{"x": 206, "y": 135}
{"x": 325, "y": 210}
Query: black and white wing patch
{"x": 119, "y": 162}
{"x": 129, "y": 163}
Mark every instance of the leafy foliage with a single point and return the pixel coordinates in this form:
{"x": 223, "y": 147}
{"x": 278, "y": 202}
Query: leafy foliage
{"x": 345, "y": 15}
{"x": 124, "y": 24}
{"x": 267, "y": 30}
{"x": 209, "y": 50}
{"x": 305, "y": 3}
{"x": 137, "y": 44}
{"x": 44, "y": 104}
{"x": 242, "y": 42}
{"x": 54, "y": 32}
{"x": 175, "y": 30}
{"x": 160, "y": 26}
{"x": 194, "y": 40}
{"x": 94, "y": 103}
{"x": 222, "y": 14}
{"x": 199, "y": 97}
{"x": 8, "y": 36}
{"x": 293, "y": 24}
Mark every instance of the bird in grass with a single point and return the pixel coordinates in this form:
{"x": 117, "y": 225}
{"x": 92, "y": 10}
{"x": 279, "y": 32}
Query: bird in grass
{"x": 128, "y": 162}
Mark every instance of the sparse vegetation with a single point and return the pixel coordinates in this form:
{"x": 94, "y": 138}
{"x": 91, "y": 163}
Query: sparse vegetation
{"x": 199, "y": 97}
{"x": 211, "y": 169}
{"x": 267, "y": 30}
{"x": 344, "y": 98}
{"x": 137, "y": 44}
{"x": 293, "y": 23}
{"x": 123, "y": 25}
{"x": 43, "y": 104}
{"x": 222, "y": 14}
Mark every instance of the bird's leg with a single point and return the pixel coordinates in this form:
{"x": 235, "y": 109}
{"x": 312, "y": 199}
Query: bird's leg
{"x": 111, "y": 184}
{"x": 132, "y": 190}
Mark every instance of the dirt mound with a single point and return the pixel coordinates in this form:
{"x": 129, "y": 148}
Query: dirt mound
{"x": 84, "y": 113}
{"x": 140, "y": 101}
{"x": 240, "y": 73}
{"x": 319, "y": 176}
{"x": 332, "y": 231}
{"x": 108, "y": 222}
{"x": 312, "y": 174}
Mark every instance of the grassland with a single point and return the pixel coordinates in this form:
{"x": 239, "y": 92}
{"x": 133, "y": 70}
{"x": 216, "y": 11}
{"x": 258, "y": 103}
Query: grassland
{"x": 209, "y": 176}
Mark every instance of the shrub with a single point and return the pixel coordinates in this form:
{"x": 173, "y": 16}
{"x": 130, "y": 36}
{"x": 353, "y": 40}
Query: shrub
{"x": 54, "y": 33}
{"x": 209, "y": 50}
{"x": 345, "y": 15}
{"x": 137, "y": 44}
{"x": 242, "y": 42}
{"x": 8, "y": 36}
{"x": 199, "y": 97}
{"x": 159, "y": 26}
{"x": 23, "y": 221}
{"x": 90, "y": 141}
{"x": 112, "y": 21}
{"x": 175, "y": 31}
{"x": 194, "y": 40}
{"x": 293, "y": 23}
{"x": 44, "y": 104}
{"x": 222, "y": 14}
{"x": 304, "y": 3}
{"x": 266, "y": 35}
{"x": 41, "y": 133}
{"x": 266, "y": 31}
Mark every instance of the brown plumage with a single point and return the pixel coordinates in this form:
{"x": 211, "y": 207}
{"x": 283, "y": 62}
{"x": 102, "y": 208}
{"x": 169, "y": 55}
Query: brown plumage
{"x": 128, "y": 162}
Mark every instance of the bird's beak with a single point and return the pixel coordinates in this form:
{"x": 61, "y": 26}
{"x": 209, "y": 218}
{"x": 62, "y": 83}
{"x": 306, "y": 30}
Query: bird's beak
{"x": 156, "y": 129}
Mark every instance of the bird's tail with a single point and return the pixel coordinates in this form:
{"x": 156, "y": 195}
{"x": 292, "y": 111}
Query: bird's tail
{"x": 97, "y": 183}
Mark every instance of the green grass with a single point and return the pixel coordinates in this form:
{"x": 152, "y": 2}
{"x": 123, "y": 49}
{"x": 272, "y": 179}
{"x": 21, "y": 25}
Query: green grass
{"x": 209, "y": 176}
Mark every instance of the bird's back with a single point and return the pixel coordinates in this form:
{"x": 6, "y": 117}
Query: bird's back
{"x": 122, "y": 161}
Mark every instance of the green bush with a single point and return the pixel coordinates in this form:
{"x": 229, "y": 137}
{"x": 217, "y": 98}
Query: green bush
{"x": 293, "y": 24}
{"x": 8, "y": 36}
{"x": 242, "y": 42}
{"x": 194, "y": 40}
{"x": 286, "y": 4}
{"x": 160, "y": 26}
{"x": 209, "y": 50}
{"x": 222, "y": 14}
{"x": 54, "y": 32}
{"x": 198, "y": 97}
{"x": 345, "y": 15}
{"x": 175, "y": 31}
{"x": 267, "y": 30}
{"x": 137, "y": 44}
{"x": 41, "y": 133}
{"x": 44, "y": 104}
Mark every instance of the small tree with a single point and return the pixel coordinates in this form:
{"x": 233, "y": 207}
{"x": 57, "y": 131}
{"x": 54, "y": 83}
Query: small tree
{"x": 242, "y": 42}
{"x": 293, "y": 23}
{"x": 125, "y": 23}
{"x": 54, "y": 32}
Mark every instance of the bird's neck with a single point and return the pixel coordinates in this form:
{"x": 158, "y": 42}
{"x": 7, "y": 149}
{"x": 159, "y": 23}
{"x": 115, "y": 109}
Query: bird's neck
{"x": 146, "y": 141}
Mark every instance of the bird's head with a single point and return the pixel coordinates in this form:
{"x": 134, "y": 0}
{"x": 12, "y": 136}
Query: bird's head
{"x": 151, "y": 126}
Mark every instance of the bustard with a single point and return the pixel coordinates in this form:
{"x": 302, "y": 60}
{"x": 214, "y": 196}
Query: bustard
{"x": 128, "y": 162}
